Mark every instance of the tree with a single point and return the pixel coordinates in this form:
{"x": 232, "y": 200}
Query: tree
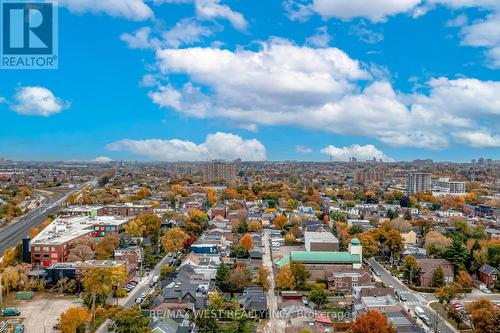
{"x": 174, "y": 239}
{"x": 394, "y": 243}
{"x": 436, "y": 243}
{"x": 106, "y": 247}
{"x": 285, "y": 279}
{"x": 485, "y": 315}
{"x": 74, "y": 318}
{"x": 263, "y": 278}
{"x": 301, "y": 274}
{"x": 369, "y": 244}
{"x": 238, "y": 278}
{"x": 338, "y": 217}
{"x": 464, "y": 280}
{"x": 438, "y": 277}
{"x": 242, "y": 227}
{"x": 280, "y": 221}
{"x": 400, "y": 224}
{"x": 410, "y": 268}
{"x": 128, "y": 320}
{"x": 372, "y": 322}
{"x": 424, "y": 225}
{"x": 447, "y": 293}
{"x": 246, "y": 242}
{"x": 220, "y": 276}
{"x": 457, "y": 253}
{"x": 98, "y": 282}
{"x": 66, "y": 285}
{"x": 290, "y": 239}
{"x": 81, "y": 252}
{"x": 254, "y": 226}
{"x": 355, "y": 229}
{"x": 407, "y": 215}
{"x": 318, "y": 294}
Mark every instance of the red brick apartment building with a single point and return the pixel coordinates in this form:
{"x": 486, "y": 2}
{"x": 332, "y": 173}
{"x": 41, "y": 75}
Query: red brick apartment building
{"x": 52, "y": 244}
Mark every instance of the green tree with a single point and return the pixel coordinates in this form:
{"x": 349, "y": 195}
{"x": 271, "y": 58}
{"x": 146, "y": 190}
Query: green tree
{"x": 438, "y": 277}
{"x": 129, "y": 320}
{"x": 457, "y": 253}
{"x": 410, "y": 268}
{"x": 301, "y": 274}
{"x": 355, "y": 229}
{"x": 220, "y": 277}
{"x": 318, "y": 294}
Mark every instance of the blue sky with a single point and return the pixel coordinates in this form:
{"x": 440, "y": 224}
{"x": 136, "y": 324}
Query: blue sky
{"x": 300, "y": 80}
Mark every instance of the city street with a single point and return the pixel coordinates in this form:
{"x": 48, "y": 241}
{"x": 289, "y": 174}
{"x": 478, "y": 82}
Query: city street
{"x": 414, "y": 298}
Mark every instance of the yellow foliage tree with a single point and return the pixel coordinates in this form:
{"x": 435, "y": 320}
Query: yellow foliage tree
{"x": 73, "y": 318}
{"x": 174, "y": 239}
{"x": 280, "y": 221}
{"x": 285, "y": 279}
{"x": 254, "y": 226}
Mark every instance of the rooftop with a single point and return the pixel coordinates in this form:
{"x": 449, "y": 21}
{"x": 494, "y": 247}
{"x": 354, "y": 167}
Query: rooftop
{"x": 64, "y": 229}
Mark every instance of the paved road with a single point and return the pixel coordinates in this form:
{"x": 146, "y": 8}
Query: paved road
{"x": 15, "y": 231}
{"x": 275, "y": 325}
{"x": 143, "y": 285}
{"x": 414, "y": 298}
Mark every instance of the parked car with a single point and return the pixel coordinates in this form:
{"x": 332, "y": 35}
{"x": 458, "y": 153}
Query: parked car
{"x": 377, "y": 273}
{"x": 19, "y": 328}
{"x": 143, "y": 295}
{"x": 138, "y": 300}
{"x": 11, "y": 312}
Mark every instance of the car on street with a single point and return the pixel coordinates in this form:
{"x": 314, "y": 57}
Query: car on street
{"x": 138, "y": 300}
{"x": 19, "y": 328}
{"x": 377, "y": 273}
{"x": 11, "y": 312}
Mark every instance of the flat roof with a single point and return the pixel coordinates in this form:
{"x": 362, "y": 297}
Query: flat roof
{"x": 64, "y": 229}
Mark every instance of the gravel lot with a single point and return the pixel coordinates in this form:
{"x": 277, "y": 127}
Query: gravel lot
{"x": 42, "y": 311}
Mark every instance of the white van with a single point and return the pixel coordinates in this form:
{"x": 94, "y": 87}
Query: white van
{"x": 419, "y": 311}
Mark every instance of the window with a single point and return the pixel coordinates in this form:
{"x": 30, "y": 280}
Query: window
{"x": 36, "y": 248}
{"x": 45, "y": 248}
{"x": 355, "y": 278}
{"x": 53, "y": 249}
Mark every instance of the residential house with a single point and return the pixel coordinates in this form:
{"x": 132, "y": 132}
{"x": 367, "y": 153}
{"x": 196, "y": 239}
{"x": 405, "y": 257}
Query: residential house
{"x": 427, "y": 269}
{"x": 488, "y": 275}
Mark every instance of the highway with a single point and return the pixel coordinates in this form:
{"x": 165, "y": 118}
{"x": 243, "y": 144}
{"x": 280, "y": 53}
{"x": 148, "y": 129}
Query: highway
{"x": 15, "y": 231}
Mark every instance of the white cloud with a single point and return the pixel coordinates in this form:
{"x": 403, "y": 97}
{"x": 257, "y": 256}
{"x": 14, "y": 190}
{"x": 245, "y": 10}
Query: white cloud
{"x": 486, "y": 34}
{"x": 2, "y": 100}
{"x": 480, "y": 139}
{"x": 321, "y": 38}
{"x": 298, "y": 10}
{"x": 140, "y": 39}
{"x": 366, "y": 35}
{"x": 135, "y": 10}
{"x": 185, "y": 32}
{"x": 212, "y": 10}
{"x": 37, "y": 101}
{"x": 219, "y": 145}
{"x": 322, "y": 89}
{"x": 303, "y": 149}
{"x": 374, "y": 10}
{"x": 361, "y": 153}
{"x": 458, "y": 21}
{"x": 102, "y": 159}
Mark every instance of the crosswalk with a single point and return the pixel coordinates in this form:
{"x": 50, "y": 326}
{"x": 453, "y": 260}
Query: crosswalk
{"x": 420, "y": 300}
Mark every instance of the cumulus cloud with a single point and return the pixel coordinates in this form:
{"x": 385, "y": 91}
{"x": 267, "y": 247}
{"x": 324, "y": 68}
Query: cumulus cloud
{"x": 135, "y": 10}
{"x": 303, "y": 149}
{"x": 140, "y": 39}
{"x": 374, "y": 10}
{"x": 219, "y": 145}
{"x": 480, "y": 139}
{"x": 37, "y": 101}
{"x": 325, "y": 89}
{"x": 485, "y": 34}
{"x": 102, "y": 159}
{"x": 361, "y": 153}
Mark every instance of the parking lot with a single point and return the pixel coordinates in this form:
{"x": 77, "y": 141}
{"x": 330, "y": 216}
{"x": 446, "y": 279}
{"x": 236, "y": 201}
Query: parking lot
{"x": 284, "y": 251}
{"x": 42, "y": 313}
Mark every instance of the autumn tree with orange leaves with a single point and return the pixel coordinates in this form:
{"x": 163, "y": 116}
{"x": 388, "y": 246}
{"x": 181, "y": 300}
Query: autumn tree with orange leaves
{"x": 372, "y": 322}
{"x": 246, "y": 242}
{"x": 280, "y": 221}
